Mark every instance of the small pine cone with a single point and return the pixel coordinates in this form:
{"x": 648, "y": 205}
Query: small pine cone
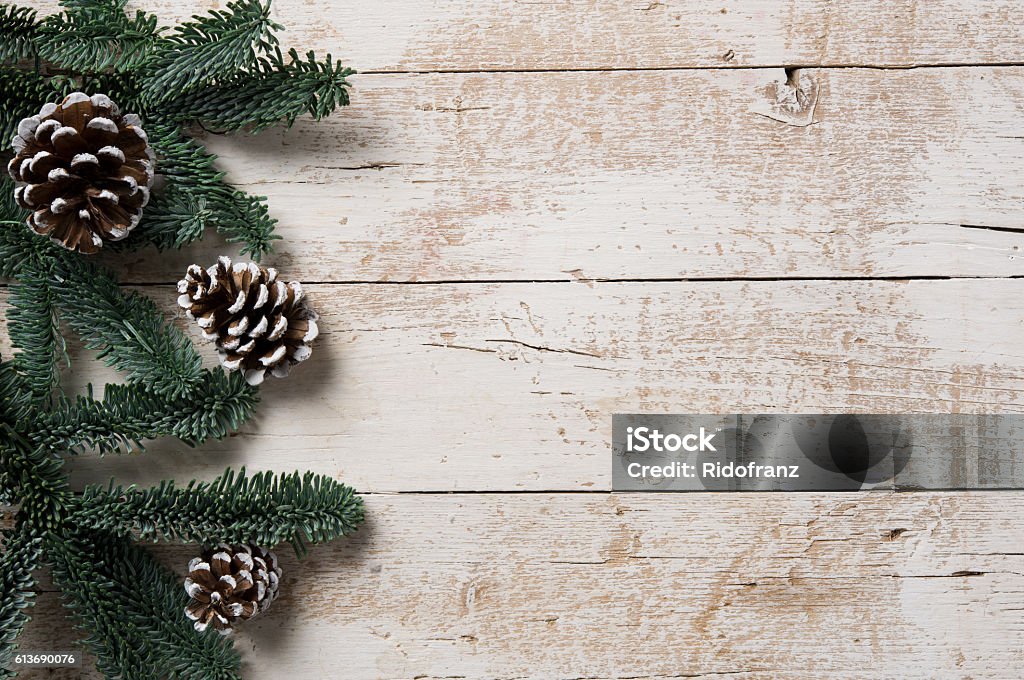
{"x": 261, "y": 325}
{"x": 229, "y": 584}
{"x": 85, "y": 171}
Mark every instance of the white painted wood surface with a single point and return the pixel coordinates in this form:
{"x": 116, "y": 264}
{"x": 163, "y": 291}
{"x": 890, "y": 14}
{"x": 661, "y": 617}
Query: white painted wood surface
{"x": 561, "y": 176}
{"x": 491, "y": 157}
{"x": 430, "y": 35}
{"x": 469, "y": 387}
{"x": 875, "y": 585}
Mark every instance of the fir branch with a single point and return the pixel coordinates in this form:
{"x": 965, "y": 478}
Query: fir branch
{"x": 217, "y": 406}
{"x": 213, "y": 46}
{"x": 263, "y": 509}
{"x": 9, "y": 209}
{"x": 275, "y": 91}
{"x": 132, "y": 609}
{"x": 129, "y": 604}
{"x": 156, "y": 599}
{"x": 33, "y": 329}
{"x": 124, "y": 88}
{"x": 182, "y": 161}
{"x": 21, "y": 470}
{"x": 19, "y": 31}
{"x": 37, "y": 476}
{"x": 15, "y": 397}
{"x": 21, "y": 251}
{"x": 126, "y": 327}
{"x": 120, "y": 648}
{"x": 97, "y": 35}
{"x": 192, "y": 179}
{"x": 20, "y": 557}
{"x": 12, "y": 227}
{"x": 246, "y": 220}
{"x": 173, "y": 219}
{"x": 22, "y": 93}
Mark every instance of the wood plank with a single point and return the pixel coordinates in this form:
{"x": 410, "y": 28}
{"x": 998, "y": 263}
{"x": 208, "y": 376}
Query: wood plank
{"x": 917, "y": 585}
{"x": 427, "y": 35}
{"x": 681, "y": 174}
{"x": 513, "y": 386}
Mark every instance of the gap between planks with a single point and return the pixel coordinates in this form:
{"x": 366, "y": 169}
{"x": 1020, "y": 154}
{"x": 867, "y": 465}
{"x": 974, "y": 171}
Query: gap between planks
{"x": 706, "y": 67}
{"x": 586, "y": 281}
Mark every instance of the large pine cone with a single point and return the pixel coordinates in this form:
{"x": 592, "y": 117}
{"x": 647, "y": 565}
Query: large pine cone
{"x": 229, "y": 584}
{"x": 261, "y": 325}
{"x": 87, "y": 171}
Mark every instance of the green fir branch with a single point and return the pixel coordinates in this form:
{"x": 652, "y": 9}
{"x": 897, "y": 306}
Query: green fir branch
{"x": 19, "y": 559}
{"x": 19, "y": 31}
{"x": 263, "y": 509}
{"x": 21, "y": 251}
{"x": 214, "y": 46}
{"x": 38, "y": 478}
{"x": 132, "y": 608}
{"x": 124, "y": 88}
{"x": 22, "y": 93}
{"x": 192, "y": 179}
{"x": 34, "y": 329}
{"x": 156, "y": 600}
{"x": 15, "y": 397}
{"x": 247, "y": 221}
{"x": 224, "y": 71}
{"x": 97, "y": 36}
{"x": 276, "y": 90}
{"x": 127, "y": 415}
{"x": 173, "y": 219}
{"x": 126, "y": 327}
{"x": 120, "y": 648}
{"x": 10, "y": 211}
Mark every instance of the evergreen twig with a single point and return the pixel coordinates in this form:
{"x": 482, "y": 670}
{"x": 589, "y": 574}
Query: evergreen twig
{"x": 20, "y": 557}
{"x": 19, "y": 31}
{"x": 213, "y": 46}
{"x": 263, "y": 508}
{"x": 34, "y": 330}
{"x": 128, "y": 415}
{"x": 226, "y": 71}
{"x": 97, "y": 35}
{"x": 273, "y": 91}
{"x": 130, "y": 607}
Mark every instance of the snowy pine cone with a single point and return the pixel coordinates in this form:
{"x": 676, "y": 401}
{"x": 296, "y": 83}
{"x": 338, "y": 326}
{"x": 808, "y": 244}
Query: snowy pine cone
{"x": 84, "y": 170}
{"x": 228, "y": 584}
{"x": 261, "y": 325}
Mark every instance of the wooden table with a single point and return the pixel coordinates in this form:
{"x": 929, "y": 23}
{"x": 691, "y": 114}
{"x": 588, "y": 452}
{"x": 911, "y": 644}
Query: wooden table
{"x": 537, "y": 214}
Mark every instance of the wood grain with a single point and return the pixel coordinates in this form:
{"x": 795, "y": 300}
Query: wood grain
{"x": 681, "y": 174}
{"x": 646, "y": 585}
{"x": 429, "y": 35}
{"x": 511, "y": 157}
{"x": 512, "y": 386}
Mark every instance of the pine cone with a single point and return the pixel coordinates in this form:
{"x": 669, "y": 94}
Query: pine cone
{"x": 260, "y": 324}
{"x": 87, "y": 171}
{"x": 229, "y": 584}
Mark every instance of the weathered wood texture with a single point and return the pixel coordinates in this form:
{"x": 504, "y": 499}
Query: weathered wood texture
{"x": 684, "y": 162}
{"x": 640, "y": 175}
{"x": 641, "y": 585}
{"x": 512, "y": 386}
{"x": 427, "y": 35}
